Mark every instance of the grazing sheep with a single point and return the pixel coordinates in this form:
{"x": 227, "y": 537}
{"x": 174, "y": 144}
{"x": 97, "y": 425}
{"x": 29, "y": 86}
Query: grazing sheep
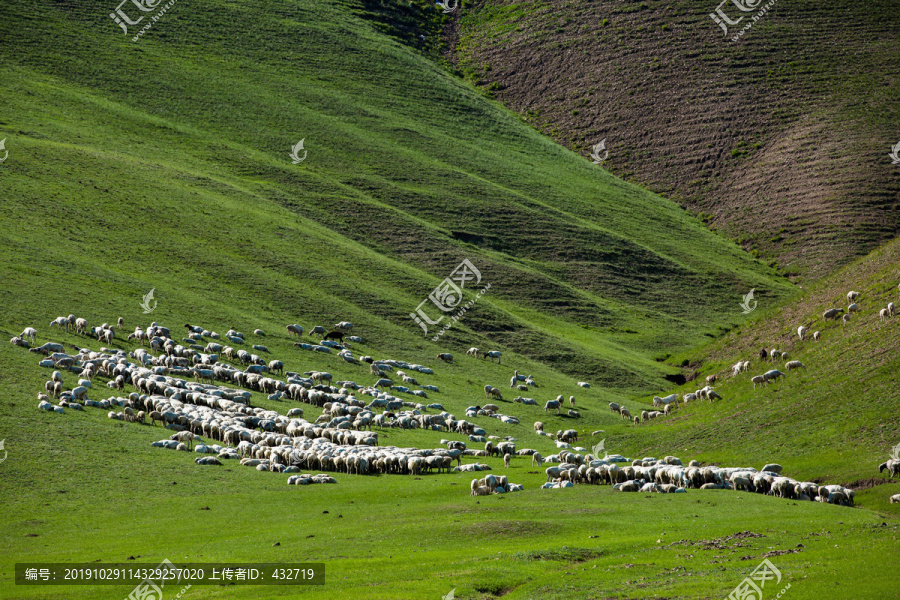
{"x": 895, "y": 499}
{"x": 60, "y": 322}
{"x": 295, "y": 328}
{"x": 883, "y": 313}
{"x": 446, "y": 357}
{"x": 492, "y": 355}
{"x": 851, "y": 296}
{"x": 890, "y": 309}
{"x": 574, "y": 414}
{"x": 552, "y": 405}
{"x": 763, "y": 354}
{"x": 772, "y": 375}
{"x": 892, "y": 466}
{"x": 583, "y": 384}
{"x": 614, "y": 407}
{"x": 317, "y": 330}
{"x": 625, "y": 413}
{"x": 335, "y": 334}
{"x": 845, "y": 319}
{"x": 572, "y": 401}
{"x": 832, "y": 313}
{"x": 668, "y": 409}
{"x": 472, "y": 352}
{"x": 711, "y": 379}
{"x": 538, "y": 426}
{"x": 506, "y": 460}
{"x": 853, "y": 308}
{"x": 817, "y": 335}
{"x": 345, "y": 326}
{"x": 492, "y": 392}
{"x": 772, "y": 468}
{"x": 794, "y": 364}
{"x": 30, "y": 333}
{"x": 801, "y": 331}
{"x": 536, "y": 459}
{"x": 758, "y": 379}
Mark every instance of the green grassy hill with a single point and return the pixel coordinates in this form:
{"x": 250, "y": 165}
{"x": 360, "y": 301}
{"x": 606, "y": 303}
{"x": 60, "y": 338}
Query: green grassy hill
{"x": 163, "y": 164}
{"x": 836, "y": 419}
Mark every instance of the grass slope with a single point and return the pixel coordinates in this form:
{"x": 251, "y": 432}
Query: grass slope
{"x": 172, "y": 159}
{"x": 836, "y": 419}
{"x": 92, "y": 490}
{"x": 163, "y": 164}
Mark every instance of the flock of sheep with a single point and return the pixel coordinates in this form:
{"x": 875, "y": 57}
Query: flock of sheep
{"x": 669, "y": 476}
{"x": 341, "y": 438}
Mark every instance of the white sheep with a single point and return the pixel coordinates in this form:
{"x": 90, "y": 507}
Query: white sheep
{"x": 772, "y": 375}
{"x": 492, "y": 355}
{"x": 30, "y": 333}
{"x": 895, "y": 499}
{"x": 472, "y": 352}
{"x": 758, "y": 379}
{"x": 817, "y": 335}
{"x": 853, "y": 308}
{"x": 890, "y": 309}
{"x": 851, "y": 296}
{"x": 883, "y": 313}
{"x": 801, "y": 331}
{"x": 794, "y": 364}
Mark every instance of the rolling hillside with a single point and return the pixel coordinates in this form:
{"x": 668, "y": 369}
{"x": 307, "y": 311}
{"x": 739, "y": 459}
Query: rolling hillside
{"x": 837, "y": 418}
{"x": 169, "y": 168}
{"x": 165, "y": 164}
{"x": 779, "y": 140}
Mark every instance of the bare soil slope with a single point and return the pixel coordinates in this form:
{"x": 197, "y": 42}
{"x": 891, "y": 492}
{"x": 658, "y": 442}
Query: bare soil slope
{"x": 780, "y": 139}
